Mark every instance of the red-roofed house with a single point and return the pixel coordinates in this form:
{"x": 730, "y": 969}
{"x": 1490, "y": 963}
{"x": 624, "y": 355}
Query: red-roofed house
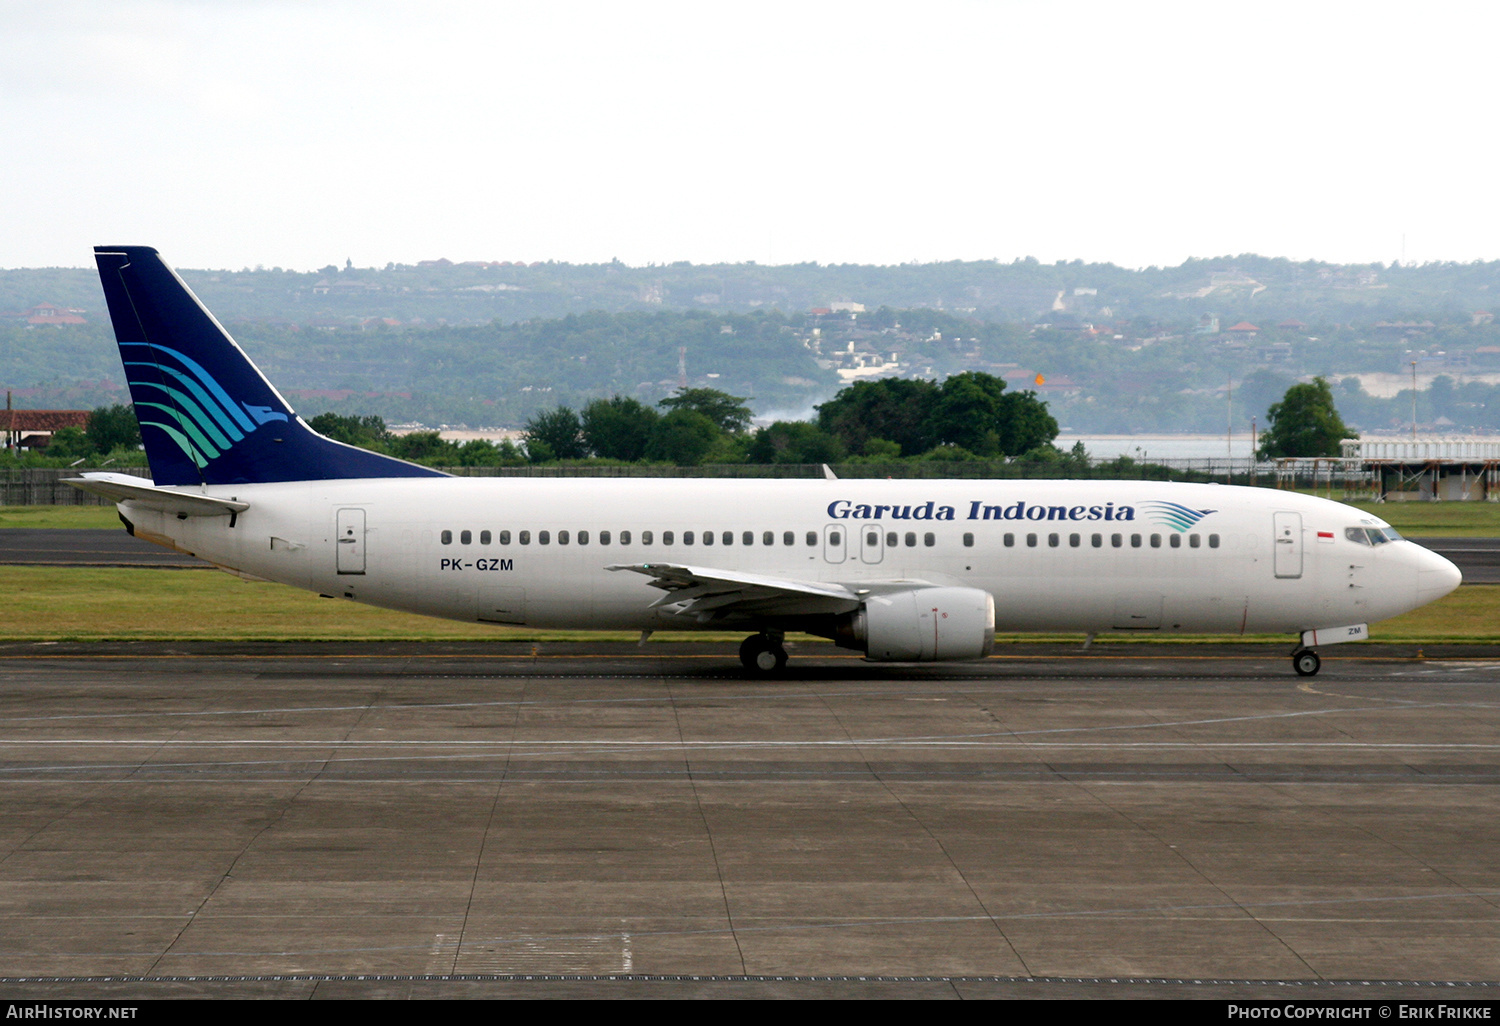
{"x": 34, "y": 428}
{"x": 51, "y": 313}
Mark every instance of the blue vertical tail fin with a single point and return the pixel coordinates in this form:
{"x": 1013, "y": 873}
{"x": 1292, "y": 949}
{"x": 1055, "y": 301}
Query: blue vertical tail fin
{"x": 207, "y": 415}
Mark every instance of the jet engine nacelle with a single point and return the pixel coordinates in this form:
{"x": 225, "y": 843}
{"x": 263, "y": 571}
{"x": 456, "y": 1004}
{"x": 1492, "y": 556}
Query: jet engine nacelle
{"x": 924, "y": 625}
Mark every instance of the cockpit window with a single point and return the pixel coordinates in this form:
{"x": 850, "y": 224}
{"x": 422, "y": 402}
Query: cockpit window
{"x": 1371, "y": 535}
{"x": 1357, "y": 535}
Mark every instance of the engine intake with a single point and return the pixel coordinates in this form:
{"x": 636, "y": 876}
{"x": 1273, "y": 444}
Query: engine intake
{"x": 923, "y": 625}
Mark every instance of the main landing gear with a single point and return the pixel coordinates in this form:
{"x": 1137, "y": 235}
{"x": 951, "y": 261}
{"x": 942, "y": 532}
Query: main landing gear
{"x": 763, "y": 654}
{"x": 1306, "y": 662}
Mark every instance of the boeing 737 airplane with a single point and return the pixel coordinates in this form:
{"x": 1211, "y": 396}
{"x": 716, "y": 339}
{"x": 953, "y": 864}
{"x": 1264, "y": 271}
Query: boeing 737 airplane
{"x": 903, "y": 571}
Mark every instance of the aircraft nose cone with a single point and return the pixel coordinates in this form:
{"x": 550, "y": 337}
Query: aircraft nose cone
{"x": 1436, "y": 577}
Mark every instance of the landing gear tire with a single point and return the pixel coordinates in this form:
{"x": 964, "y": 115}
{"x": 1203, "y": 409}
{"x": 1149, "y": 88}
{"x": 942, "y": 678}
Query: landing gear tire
{"x": 762, "y": 656}
{"x": 1306, "y": 662}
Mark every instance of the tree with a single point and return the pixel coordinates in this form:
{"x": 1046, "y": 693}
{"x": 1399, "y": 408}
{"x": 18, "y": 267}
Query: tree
{"x": 974, "y": 411}
{"x": 113, "y": 427}
{"x": 683, "y": 437}
{"x": 967, "y": 413}
{"x": 554, "y": 435}
{"x": 365, "y": 432}
{"x": 618, "y": 428}
{"x": 69, "y": 443}
{"x": 427, "y": 447}
{"x": 1025, "y": 423}
{"x": 795, "y": 441}
{"x": 1304, "y": 423}
{"x": 727, "y": 412}
{"x": 894, "y": 409}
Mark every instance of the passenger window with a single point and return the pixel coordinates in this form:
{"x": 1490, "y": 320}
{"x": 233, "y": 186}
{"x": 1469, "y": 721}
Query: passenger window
{"x": 543, "y": 538}
{"x": 1031, "y": 541}
{"x": 1098, "y": 541}
{"x": 1213, "y": 541}
{"x": 666, "y": 537}
{"x": 687, "y": 537}
{"x": 708, "y": 538}
{"x": 1117, "y": 540}
{"x": 836, "y": 538}
{"x": 583, "y": 537}
{"x": 1135, "y": 541}
{"x": 873, "y": 539}
{"x": 1052, "y": 541}
{"x": 525, "y": 537}
{"x": 1010, "y": 540}
{"x": 748, "y": 538}
{"x": 812, "y": 537}
{"x": 645, "y": 538}
{"x": 911, "y": 539}
{"x": 603, "y": 537}
{"x": 562, "y": 537}
{"x": 929, "y": 539}
{"x": 1156, "y": 541}
{"x": 727, "y": 538}
{"x": 890, "y": 539}
{"x": 466, "y": 537}
{"x": 788, "y": 538}
{"x": 1175, "y": 540}
{"x": 624, "y": 537}
{"x": 1075, "y": 540}
{"x": 504, "y": 537}
{"x": 484, "y": 537}
{"x": 447, "y": 537}
{"x": 968, "y": 540}
{"x": 1194, "y": 541}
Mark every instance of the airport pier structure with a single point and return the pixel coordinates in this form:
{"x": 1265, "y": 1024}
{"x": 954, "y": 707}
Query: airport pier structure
{"x": 1408, "y": 470}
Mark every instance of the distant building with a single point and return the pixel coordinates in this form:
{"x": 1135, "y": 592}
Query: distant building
{"x": 52, "y": 314}
{"x": 33, "y": 429}
{"x": 1428, "y": 469}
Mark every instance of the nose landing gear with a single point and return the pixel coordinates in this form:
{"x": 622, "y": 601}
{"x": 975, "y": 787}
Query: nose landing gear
{"x": 1306, "y": 662}
{"x": 763, "y": 654}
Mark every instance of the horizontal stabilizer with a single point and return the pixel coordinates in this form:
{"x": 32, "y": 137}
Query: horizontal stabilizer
{"x": 124, "y": 488}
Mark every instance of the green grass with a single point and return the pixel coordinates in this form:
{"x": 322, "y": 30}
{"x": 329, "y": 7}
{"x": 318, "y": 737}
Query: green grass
{"x": 146, "y": 604}
{"x": 59, "y": 516}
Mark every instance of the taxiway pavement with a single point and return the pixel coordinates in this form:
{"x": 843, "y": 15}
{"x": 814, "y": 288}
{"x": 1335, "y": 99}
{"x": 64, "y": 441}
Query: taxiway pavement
{"x": 523, "y": 820}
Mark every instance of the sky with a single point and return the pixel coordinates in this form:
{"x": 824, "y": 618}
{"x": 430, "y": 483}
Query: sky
{"x": 232, "y": 133}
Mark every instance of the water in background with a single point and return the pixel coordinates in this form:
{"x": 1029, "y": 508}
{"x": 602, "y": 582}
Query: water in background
{"x": 1162, "y": 447}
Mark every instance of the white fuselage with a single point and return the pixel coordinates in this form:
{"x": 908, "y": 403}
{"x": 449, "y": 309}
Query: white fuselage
{"x": 1055, "y": 555}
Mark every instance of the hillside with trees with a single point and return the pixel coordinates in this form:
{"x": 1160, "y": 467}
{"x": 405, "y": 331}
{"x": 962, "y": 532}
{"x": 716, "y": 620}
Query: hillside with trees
{"x": 1117, "y": 350}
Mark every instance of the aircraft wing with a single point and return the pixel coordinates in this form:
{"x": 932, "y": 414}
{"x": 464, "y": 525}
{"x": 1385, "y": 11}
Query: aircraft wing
{"x": 124, "y": 488}
{"x": 706, "y": 593}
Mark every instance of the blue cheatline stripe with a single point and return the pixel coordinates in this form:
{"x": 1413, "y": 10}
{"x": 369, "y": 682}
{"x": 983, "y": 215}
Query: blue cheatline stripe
{"x": 202, "y": 444}
{"x": 182, "y": 442}
{"x": 209, "y": 382}
{"x": 193, "y": 411}
{"x": 204, "y": 399}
